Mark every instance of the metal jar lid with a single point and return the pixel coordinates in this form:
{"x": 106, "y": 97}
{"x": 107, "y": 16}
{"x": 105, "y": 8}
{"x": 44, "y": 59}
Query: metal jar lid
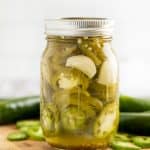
{"x": 79, "y": 27}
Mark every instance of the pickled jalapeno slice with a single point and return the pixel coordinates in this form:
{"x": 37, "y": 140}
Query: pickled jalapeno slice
{"x": 58, "y": 58}
{"x": 68, "y": 78}
{"x": 106, "y": 123}
{"x": 63, "y": 97}
{"x": 88, "y": 51}
{"x": 50, "y": 119}
{"x": 55, "y": 60}
{"x": 97, "y": 47}
{"x": 80, "y": 99}
{"x": 68, "y": 50}
{"x": 90, "y": 105}
{"x": 106, "y": 93}
{"x": 61, "y": 52}
{"x": 73, "y": 118}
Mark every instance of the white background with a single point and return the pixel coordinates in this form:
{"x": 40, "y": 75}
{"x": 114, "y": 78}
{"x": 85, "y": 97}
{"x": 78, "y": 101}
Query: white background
{"x": 22, "y": 40}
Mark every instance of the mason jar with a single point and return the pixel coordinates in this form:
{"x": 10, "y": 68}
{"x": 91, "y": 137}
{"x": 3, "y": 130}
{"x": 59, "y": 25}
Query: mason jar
{"x": 79, "y": 84}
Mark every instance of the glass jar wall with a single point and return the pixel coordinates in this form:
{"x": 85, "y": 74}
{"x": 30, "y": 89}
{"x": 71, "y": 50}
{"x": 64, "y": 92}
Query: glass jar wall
{"x": 79, "y": 90}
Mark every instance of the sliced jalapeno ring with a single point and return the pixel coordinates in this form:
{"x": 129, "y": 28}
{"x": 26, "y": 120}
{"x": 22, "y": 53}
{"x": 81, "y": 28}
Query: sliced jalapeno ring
{"x": 50, "y": 119}
{"x": 61, "y": 53}
{"x": 36, "y": 133}
{"x": 24, "y": 129}
{"x": 68, "y": 78}
{"x": 142, "y": 141}
{"x": 120, "y": 145}
{"x": 91, "y": 106}
{"x": 27, "y": 123}
{"x": 106, "y": 93}
{"x": 56, "y": 61}
{"x": 122, "y": 137}
{"x": 17, "y": 136}
{"x": 73, "y": 119}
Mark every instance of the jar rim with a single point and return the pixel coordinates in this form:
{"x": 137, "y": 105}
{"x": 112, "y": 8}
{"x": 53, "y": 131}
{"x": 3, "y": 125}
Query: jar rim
{"x": 79, "y": 26}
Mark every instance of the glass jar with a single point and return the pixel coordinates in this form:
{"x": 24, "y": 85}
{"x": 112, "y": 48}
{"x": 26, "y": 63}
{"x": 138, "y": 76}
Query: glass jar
{"x": 79, "y": 84}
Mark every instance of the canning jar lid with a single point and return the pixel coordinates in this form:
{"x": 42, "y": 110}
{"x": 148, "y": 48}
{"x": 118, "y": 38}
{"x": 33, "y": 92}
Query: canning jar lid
{"x": 79, "y": 27}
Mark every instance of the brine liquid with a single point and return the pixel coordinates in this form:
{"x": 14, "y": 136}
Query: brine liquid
{"x": 78, "y": 143}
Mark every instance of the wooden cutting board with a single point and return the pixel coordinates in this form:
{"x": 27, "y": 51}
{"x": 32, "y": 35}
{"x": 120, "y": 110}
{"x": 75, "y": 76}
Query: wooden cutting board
{"x": 21, "y": 145}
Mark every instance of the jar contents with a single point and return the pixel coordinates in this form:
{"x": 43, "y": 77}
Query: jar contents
{"x": 79, "y": 92}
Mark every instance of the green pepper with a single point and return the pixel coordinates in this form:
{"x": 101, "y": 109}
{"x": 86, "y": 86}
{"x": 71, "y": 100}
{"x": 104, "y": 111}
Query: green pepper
{"x": 36, "y": 133}
{"x": 73, "y": 119}
{"x": 13, "y": 109}
{"x": 17, "y": 136}
{"x": 107, "y": 121}
{"x": 68, "y": 78}
{"x": 56, "y": 61}
{"x": 62, "y": 52}
{"x": 134, "y": 104}
{"x": 25, "y": 129}
{"x": 97, "y": 47}
{"x": 50, "y": 119}
{"x": 65, "y": 98}
{"x": 92, "y": 49}
{"x": 122, "y": 137}
{"x": 106, "y": 93}
{"x": 27, "y": 123}
{"x": 87, "y": 51}
{"x": 120, "y": 145}
{"x": 135, "y": 122}
{"x": 58, "y": 58}
{"x": 90, "y": 105}
{"x": 142, "y": 141}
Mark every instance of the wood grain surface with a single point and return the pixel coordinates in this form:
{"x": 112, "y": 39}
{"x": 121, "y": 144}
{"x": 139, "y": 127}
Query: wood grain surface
{"x": 22, "y": 145}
